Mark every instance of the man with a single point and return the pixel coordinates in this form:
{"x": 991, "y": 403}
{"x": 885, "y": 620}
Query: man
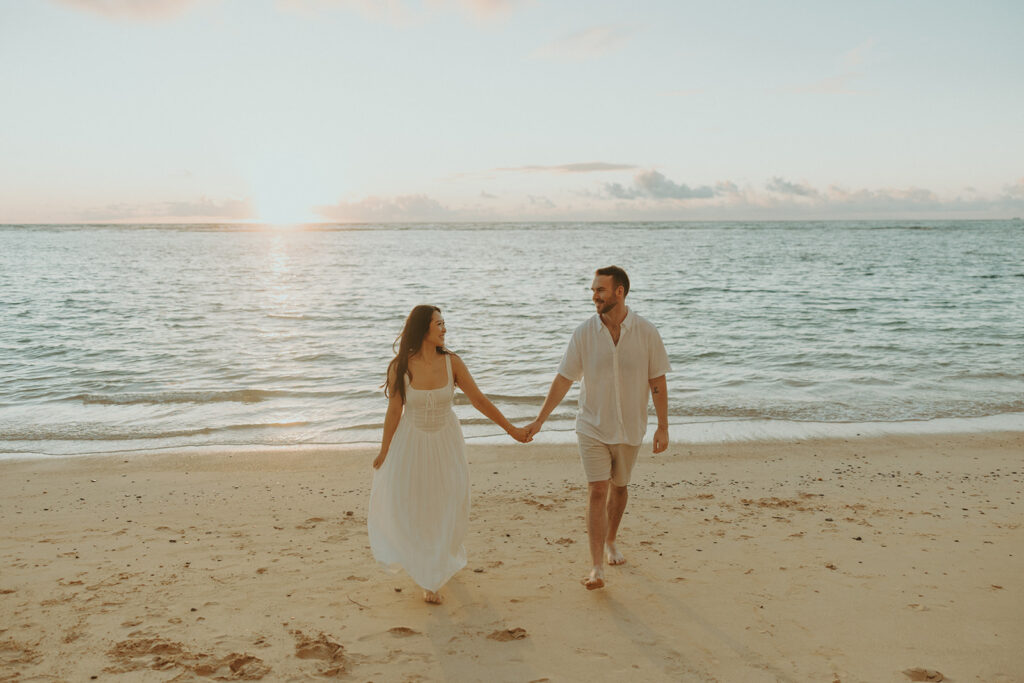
{"x": 620, "y": 359}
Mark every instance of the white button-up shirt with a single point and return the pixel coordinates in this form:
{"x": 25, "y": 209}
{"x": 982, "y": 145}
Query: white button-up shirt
{"x": 614, "y": 391}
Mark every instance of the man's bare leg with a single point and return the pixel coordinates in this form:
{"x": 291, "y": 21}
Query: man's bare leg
{"x": 617, "y": 498}
{"x": 597, "y": 531}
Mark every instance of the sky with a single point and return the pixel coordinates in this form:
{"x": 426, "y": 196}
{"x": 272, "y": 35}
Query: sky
{"x": 292, "y": 111}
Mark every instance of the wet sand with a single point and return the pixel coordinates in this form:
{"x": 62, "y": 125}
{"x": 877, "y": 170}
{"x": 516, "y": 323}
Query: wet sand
{"x": 881, "y": 559}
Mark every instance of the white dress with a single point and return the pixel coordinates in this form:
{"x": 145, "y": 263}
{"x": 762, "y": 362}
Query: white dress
{"x": 419, "y": 502}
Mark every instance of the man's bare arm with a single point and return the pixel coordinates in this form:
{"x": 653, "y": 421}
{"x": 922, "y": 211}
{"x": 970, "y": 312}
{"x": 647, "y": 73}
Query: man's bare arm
{"x": 659, "y": 392}
{"x": 559, "y": 388}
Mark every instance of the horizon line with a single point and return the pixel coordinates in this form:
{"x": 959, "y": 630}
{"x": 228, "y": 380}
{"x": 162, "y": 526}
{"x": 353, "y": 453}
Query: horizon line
{"x": 253, "y": 223}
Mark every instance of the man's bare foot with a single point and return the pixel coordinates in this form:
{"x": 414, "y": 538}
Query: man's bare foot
{"x": 595, "y": 580}
{"x": 612, "y": 554}
{"x": 432, "y": 597}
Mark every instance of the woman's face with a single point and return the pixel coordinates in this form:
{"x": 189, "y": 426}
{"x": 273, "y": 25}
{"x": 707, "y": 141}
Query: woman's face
{"x": 435, "y": 336}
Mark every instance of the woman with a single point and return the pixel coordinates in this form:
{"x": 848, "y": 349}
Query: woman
{"x": 419, "y": 503}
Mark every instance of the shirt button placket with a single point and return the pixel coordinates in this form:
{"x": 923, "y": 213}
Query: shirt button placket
{"x": 618, "y": 393}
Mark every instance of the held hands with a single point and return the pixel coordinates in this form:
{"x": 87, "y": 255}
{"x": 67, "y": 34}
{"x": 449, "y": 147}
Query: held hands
{"x": 660, "y": 439}
{"x": 520, "y": 434}
{"x": 533, "y": 428}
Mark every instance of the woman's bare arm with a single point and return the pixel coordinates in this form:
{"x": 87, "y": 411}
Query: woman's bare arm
{"x": 391, "y": 419}
{"x": 465, "y": 381}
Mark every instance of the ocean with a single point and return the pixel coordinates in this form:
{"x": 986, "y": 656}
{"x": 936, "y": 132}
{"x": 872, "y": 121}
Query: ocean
{"x": 137, "y": 338}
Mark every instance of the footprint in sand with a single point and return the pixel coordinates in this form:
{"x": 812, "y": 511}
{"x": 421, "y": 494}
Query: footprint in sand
{"x": 403, "y": 631}
{"x": 16, "y": 652}
{"x": 322, "y": 648}
{"x": 160, "y": 654}
{"x": 919, "y": 674}
{"x": 505, "y": 635}
{"x": 310, "y": 523}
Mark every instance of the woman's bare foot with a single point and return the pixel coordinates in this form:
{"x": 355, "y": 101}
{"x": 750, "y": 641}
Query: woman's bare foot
{"x": 595, "y": 580}
{"x": 612, "y": 554}
{"x": 432, "y": 597}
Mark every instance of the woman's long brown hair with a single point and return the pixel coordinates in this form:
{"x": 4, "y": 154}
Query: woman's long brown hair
{"x": 417, "y": 325}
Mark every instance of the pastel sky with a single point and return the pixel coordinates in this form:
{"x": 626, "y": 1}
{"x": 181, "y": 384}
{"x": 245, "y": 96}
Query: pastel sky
{"x": 509, "y": 110}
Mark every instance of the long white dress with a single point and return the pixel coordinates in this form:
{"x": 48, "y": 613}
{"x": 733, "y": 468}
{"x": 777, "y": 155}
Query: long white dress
{"x": 419, "y": 502}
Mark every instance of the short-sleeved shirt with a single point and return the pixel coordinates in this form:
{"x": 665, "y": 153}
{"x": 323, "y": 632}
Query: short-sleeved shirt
{"x": 614, "y": 391}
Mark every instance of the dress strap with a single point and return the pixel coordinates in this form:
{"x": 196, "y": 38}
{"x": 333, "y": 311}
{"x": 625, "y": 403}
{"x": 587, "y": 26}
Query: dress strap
{"x": 448, "y": 365}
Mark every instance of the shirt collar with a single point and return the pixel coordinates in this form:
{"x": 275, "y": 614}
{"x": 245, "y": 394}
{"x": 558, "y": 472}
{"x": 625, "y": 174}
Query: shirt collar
{"x": 627, "y": 322}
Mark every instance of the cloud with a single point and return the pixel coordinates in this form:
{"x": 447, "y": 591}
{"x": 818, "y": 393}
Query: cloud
{"x": 485, "y": 8}
{"x": 144, "y": 10}
{"x": 541, "y": 202}
{"x": 651, "y": 195}
{"x": 834, "y": 85}
{"x": 858, "y": 55}
{"x": 585, "y": 167}
{"x": 785, "y": 187}
{"x": 726, "y": 187}
{"x": 885, "y": 199}
{"x": 653, "y": 185}
{"x": 589, "y": 44}
{"x": 399, "y": 11}
{"x": 1016, "y": 189}
{"x": 843, "y": 83}
{"x": 837, "y": 201}
{"x": 203, "y": 208}
{"x": 914, "y": 195}
{"x": 393, "y": 11}
{"x": 404, "y": 208}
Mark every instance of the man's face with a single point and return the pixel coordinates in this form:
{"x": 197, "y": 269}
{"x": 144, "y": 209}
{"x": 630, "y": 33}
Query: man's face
{"x": 605, "y": 294}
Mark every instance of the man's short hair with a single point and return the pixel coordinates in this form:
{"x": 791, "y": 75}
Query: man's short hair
{"x": 618, "y": 276}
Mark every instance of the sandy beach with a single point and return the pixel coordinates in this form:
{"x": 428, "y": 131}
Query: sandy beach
{"x": 873, "y": 559}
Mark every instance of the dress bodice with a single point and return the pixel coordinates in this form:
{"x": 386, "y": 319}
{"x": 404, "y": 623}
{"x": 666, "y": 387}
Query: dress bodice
{"x": 430, "y": 409}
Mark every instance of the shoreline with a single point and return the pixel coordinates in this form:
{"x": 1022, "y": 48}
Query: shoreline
{"x": 826, "y": 559}
{"x": 696, "y": 430}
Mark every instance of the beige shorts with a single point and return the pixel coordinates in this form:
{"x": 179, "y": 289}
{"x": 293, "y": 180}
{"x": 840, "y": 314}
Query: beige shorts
{"x": 604, "y": 461}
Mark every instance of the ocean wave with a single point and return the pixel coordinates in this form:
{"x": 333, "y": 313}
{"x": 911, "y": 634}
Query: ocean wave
{"x": 972, "y": 374}
{"x": 838, "y": 412}
{"x": 211, "y": 396}
{"x": 461, "y": 400}
{"x": 723, "y": 431}
{"x": 72, "y": 432}
{"x": 290, "y": 316}
{"x": 556, "y": 416}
